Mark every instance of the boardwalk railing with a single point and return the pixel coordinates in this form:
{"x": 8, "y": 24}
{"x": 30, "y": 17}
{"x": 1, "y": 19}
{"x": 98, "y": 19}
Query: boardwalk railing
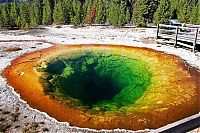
{"x": 177, "y": 35}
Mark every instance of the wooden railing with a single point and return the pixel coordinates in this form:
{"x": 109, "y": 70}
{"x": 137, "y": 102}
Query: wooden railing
{"x": 177, "y": 35}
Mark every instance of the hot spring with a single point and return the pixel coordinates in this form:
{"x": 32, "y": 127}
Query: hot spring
{"x": 107, "y": 86}
{"x": 97, "y": 81}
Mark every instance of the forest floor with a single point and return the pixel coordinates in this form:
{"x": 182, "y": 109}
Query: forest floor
{"x": 16, "y": 115}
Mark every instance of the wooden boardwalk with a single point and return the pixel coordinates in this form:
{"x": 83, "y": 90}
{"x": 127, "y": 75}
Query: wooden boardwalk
{"x": 178, "y": 36}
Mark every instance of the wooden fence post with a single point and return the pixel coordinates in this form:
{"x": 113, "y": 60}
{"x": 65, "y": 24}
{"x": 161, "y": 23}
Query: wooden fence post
{"x": 176, "y": 38}
{"x": 195, "y": 40}
{"x": 157, "y": 31}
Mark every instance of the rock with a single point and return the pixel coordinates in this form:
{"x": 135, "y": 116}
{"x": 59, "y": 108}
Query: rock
{"x": 11, "y": 49}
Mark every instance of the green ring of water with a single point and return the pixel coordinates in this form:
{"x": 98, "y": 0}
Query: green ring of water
{"x": 96, "y": 80}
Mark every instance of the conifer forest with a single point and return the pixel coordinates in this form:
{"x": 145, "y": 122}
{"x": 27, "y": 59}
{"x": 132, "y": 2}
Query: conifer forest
{"x": 32, "y": 13}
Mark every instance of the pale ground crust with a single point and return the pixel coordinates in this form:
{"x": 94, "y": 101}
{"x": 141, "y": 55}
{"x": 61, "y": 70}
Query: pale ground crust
{"x": 17, "y": 116}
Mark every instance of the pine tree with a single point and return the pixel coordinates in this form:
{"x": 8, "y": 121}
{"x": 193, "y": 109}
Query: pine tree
{"x": 198, "y": 18}
{"x": 122, "y": 14}
{"x": 40, "y": 7}
{"x": 183, "y": 15}
{"x": 100, "y": 16}
{"x": 107, "y": 4}
{"x": 67, "y": 11}
{"x": 114, "y": 13}
{"x": 58, "y": 13}
{"x": 14, "y": 15}
{"x": 193, "y": 15}
{"x": 174, "y": 9}
{"x": 87, "y": 7}
{"x": 117, "y": 13}
{"x": 152, "y": 6}
{"x": 91, "y": 14}
{"x": 47, "y": 13}
{"x": 76, "y": 15}
{"x": 193, "y": 11}
{"x": 128, "y": 16}
{"x": 5, "y": 18}
{"x": 140, "y": 12}
{"x": 34, "y": 14}
{"x": 163, "y": 13}
{"x": 24, "y": 16}
{"x": 0, "y": 17}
